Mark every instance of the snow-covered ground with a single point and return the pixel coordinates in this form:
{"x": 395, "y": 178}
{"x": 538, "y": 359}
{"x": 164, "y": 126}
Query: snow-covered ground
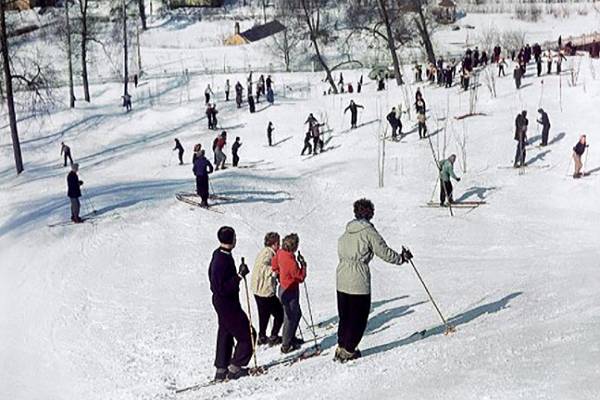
{"x": 119, "y": 308}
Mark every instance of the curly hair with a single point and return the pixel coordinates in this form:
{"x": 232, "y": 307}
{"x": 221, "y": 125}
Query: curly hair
{"x": 364, "y": 208}
{"x": 271, "y": 238}
{"x": 290, "y": 243}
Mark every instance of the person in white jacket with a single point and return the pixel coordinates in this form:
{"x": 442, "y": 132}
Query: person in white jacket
{"x": 264, "y": 285}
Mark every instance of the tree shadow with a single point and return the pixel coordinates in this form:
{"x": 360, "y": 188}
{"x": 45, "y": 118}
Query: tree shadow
{"x": 378, "y": 323}
{"x": 281, "y": 141}
{"x": 591, "y": 171}
{"x": 456, "y": 321}
{"x": 538, "y": 157}
{"x": 478, "y": 191}
{"x": 557, "y": 138}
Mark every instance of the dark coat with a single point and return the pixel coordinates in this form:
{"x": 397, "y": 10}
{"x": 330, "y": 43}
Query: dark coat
{"x": 579, "y": 148}
{"x": 74, "y": 185}
{"x": 521, "y": 123}
{"x": 202, "y": 167}
{"x": 235, "y": 147}
{"x": 223, "y": 277}
{"x": 392, "y": 119}
{"x": 544, "y": 120}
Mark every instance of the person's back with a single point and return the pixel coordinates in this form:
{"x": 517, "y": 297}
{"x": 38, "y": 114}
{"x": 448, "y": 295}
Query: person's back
{"x": 202, "y": 166}
{"x": 74, "y": 189}
{"x": 290, "y": 274}
{"x": 224, "y": 280}
{"x": 446, "y": 170}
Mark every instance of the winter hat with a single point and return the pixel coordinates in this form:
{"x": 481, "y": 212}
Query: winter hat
{"x": 226, "y": 235}
{"x": 540, "y": 110}
{"x": 75, "y": 166}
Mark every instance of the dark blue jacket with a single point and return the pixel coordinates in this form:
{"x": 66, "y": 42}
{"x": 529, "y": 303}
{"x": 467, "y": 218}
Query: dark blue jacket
{"x": 202, "y": 167}
{"x": 74, "y": 185}
{"x": 224, "y": 280}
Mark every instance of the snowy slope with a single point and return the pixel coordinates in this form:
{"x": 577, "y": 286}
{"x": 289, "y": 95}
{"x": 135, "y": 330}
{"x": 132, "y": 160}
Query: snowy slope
{"x": 120, "y": 308}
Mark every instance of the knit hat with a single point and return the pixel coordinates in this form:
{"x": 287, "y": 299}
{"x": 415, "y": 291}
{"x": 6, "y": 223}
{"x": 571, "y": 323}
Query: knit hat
{"x": 75, "y": 166}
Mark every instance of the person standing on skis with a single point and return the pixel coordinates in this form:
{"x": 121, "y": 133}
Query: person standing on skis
{"x": 447, "y": 171}
{"x": 74, "y": 193}
{"x": 356, "y": 248}
{"x": 233, "y": 321}
{"x": 353, "y": 107}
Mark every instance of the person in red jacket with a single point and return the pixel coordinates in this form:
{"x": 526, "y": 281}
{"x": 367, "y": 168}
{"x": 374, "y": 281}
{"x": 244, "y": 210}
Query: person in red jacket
{"x": 290, "y": 276}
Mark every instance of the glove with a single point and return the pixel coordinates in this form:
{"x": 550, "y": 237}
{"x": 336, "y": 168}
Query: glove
{"x": 243, "y": 270}
{"x": 457, "y": 179}
{"x": 301, "y": 260}
{"x": 406, "y": 255}
{"x": 81, "y": 182}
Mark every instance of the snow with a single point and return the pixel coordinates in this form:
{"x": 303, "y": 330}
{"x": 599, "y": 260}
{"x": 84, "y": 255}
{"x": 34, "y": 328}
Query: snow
{"x": 120, "y": 308}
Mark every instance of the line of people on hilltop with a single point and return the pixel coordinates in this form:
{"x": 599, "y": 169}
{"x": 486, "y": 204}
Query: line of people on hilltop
{"x": 279, "y": 271}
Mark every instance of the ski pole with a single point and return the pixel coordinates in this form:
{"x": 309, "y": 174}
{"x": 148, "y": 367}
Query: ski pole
{"x": 448, "y": 328}
{"x": 312, "y": 328}
{"x": 90, "y": 204}
{"x": 256, "y": 369}
{"x": 585, "y": 162}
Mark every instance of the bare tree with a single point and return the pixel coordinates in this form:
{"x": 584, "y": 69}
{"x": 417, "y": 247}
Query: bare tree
{"x": 9, "y": 88}
{"x": 142, "y": 10}
{"x": 69, "y": 56}
{"x": 287, "y": 43}
{"x": 383, "y": 12}
{"x": 424, "y": 24}
{"x": 85, "y": 39}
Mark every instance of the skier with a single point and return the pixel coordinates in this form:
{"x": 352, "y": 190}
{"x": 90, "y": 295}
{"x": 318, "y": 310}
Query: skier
{"x": 214, "y": 115}
{"x": 209, "y": 116}
{"x": 207, "y": 92}
{"x": 447, "y": 171}
{"x": 420, "y": 104}
{"x": 202, "y": 168}
{"x": 311, "y": 120}
{"x": 259, "y": 90}
{"x": 538, "y": 63}
{"x": 549, "y": 61}
{"x": 261, "y": 83}
{"x": 359, "y": 84}
{"x": 393, "y": 120}
{"x": 74, "y": 192}
{"x": 517, "y": 75}
{"x": 233, "y": 321}
{"x": 179, "y": 147}
{"x": 234, "y": 151}
{"x": 269, "y": 82}
{"x": 290, "y": 274}
{"x": 227, "y": 88}
{"x": 270, "y": 130}
{"x": 220, "y": 156}
{"x": 353, "y": 107}
{"x": 501, "y": 65}
{"x": 521, "y": 123}
{"x": 264, "y": 285}
{"x": 251, "y": 103}
{"x": 307, "y": 145}
{"x": 545, "y": 122}
{"x": 66, "y": 151}
{"x": 559, "y": 58}
{"x": 270, "y": 96}
{"x": 316, "y": 136}
{"x": 239, "y": 91}
{"x": 356, "y": 248}
{"x": 578, "y": 151}
{"x": 127, "y": 101}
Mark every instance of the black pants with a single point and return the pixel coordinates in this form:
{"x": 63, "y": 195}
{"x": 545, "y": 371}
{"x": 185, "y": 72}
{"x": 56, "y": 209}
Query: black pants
{"x": 422, "y": 130}
{"x": 446, "y": 190}
{"x": 308, "y": 147}
{"x": 520, "y": 154}
{"x": 316, "y": 142}
{"x": 290, "y": 300}
{"x": 545, "y": 132}
{"x": 354, "y": 118}
{"x": 233, "y": 324}
{"x": 202, "y": 187}
{"x": 539, "y": 68}
{"x": 207, "y": 97}
{"x": 180, "y": 154}
{"x": 353, "y": 310}
{"x": 227, "y": 95}
{"x": 394, "y": 130}
{"x": 267, "y": 307}
{"x": 68, "y": 155}
{"x": 75, "y": 207}
{"x": 236, "y": 159}
{"x": 270, "y": 138}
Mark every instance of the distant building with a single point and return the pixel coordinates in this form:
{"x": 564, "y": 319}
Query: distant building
{"x": 195, "y": 3}
{"x": 445, "y": 12}
{"x": 255, "y": 34}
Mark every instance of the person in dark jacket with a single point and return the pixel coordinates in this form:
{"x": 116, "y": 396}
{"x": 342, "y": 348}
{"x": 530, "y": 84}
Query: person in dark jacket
{"x": 545, "y": 122}
{"x": 233, "y": 321}
{"x": 311, "y": 120}
{"x": 202, "y": 168}
{"x": 394, "y": 122}
{"x": 307, "y": 145}
{"x": 179, "y": 147}
{"x": 251, "y": 105}
{"x": 356, "y": 248}
{"x": 353, "y": 107}
{"x": 578, "y": 151}
{"x": 239, "y": 90}
{"x": 270, "y": 130}
{"x": 521, "y": 123}
{"x": 234, "y": 151}
{"x": 66, "y": 151}
{"x": 517, "y": 76}
{"x": 74, "y": 192}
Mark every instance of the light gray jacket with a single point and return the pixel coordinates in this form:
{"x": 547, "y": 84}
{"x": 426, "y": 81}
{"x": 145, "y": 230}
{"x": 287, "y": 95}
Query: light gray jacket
{"x": 355, "y": 250}
{"x": 263, "y": 282}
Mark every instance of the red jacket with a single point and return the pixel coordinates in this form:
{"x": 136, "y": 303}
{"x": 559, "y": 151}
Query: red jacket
{"x": 221, "y": 142}
{"x": 290, "y": 274}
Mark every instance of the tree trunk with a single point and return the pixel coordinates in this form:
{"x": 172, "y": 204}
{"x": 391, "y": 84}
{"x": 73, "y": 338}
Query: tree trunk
{"x": 70, "y": 58}
{"x": 313, "y": 38}
{"x": 125, "y": 55}
{"x": 421, "y": 23}
{"x": 9, "y": 90}
{"x": 390, "y": 40}
{"x": 142, "y": 13}
{"x": 84, "y": 39}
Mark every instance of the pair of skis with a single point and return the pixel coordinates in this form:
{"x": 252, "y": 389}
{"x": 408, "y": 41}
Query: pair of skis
{"x": 192, "y": 199}
{"x": 456, "y": 204}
